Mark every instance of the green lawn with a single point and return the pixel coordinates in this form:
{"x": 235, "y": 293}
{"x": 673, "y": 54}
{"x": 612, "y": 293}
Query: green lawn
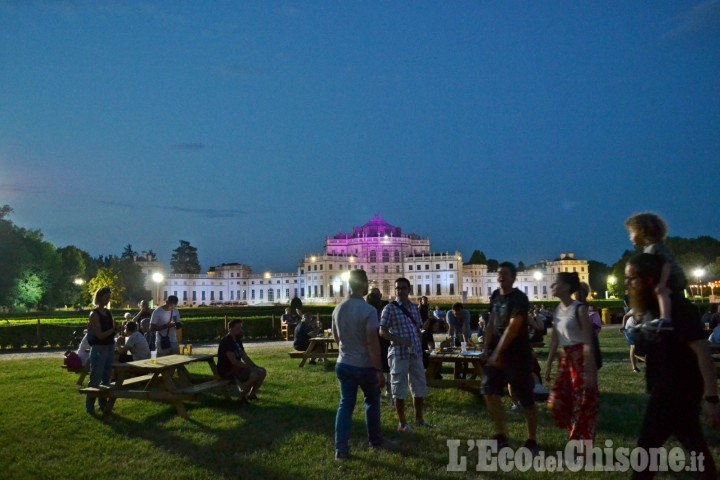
{"x": 44, "y": 432}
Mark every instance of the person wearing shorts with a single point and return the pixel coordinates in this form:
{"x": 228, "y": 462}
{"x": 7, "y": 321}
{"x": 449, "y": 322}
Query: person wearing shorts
{"x": 509, "y": 356}
{"x": 234, "y": 363}
{"x": 400, "y": 323}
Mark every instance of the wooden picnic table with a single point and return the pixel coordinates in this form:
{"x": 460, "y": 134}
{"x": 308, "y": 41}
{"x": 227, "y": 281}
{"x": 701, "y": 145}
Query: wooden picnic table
{"x": 167, "y": 379}
{"x": 320, "y": 348}
{"x": 462, "y": 361}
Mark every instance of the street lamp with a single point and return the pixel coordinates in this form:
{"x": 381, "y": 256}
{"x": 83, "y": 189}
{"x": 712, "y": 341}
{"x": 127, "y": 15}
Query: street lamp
{"x": 78, "y": 281}
{"x": 611, "y": 280}
{"x": 158, "y": 278}
{"x": 345, "y": 276}
{"x": 537, "y": 275}
{"x": 698, "y": 273}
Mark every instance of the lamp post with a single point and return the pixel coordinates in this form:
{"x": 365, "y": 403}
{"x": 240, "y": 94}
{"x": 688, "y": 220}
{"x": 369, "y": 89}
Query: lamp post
{"x": 157, "y": 277}
{"x": 611, "y": 280}
{"x": 699, "y": 273}
{"x": 345, "y": 276}
{"x": 537, "y": 275}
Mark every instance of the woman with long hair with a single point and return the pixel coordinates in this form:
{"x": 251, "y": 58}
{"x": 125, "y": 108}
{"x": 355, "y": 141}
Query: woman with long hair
{"x": 101, "y": 337}
{"x": 574, "y": 395}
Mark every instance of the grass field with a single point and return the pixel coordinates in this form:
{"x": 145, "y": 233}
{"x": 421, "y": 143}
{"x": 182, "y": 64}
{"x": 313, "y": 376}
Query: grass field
{"x": 288, "y": 433}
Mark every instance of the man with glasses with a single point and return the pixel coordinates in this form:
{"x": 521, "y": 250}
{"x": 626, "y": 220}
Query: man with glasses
{"x": 400, "y": 323}
{"x": 680, "y": 375}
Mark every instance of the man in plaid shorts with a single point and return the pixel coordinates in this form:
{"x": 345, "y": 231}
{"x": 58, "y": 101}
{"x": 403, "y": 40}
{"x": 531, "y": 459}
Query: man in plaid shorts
{"x": 400, "y": 324}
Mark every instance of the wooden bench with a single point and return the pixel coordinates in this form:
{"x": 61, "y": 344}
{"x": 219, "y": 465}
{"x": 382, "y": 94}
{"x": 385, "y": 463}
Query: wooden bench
{"x": 202, "y": 387}
{"x": 296, "y": 354}
{"x": 95, "y": 391}
{"x": 133, "y": 380}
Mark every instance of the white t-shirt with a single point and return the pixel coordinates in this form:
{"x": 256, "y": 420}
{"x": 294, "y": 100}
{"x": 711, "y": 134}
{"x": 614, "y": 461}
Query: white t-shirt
{"x": 161, "y": 318}
{"x": 83, "y": 350}
{"x": 137, "y": 346}
{"x": 565, "y": 323}
{"x": 351, "y": 319}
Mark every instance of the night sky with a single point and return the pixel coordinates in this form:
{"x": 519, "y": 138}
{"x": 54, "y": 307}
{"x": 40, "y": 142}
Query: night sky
{"x": 255, "y": 129}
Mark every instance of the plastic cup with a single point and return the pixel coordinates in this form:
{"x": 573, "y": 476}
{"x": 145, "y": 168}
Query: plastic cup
{"x": 463, "y": 346}
{"x": 189, "y": 349}
{"x": 153, "y": 356}
{"x": 474, "y": 338}
{"x": 182, "y": 349}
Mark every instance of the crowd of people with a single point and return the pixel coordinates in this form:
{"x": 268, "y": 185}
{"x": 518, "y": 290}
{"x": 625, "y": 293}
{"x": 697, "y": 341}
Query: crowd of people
{"x": 386, "y": 345}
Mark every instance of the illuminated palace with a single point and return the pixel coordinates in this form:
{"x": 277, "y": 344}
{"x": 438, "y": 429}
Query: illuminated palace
{"x": 384, "y": 252}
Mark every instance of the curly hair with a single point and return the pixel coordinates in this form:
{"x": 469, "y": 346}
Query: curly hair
{"x": 649, "y": 227}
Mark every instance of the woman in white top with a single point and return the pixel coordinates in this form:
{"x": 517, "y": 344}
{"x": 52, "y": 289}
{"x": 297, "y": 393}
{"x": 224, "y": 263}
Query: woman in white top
{"x": 574, "y": 395}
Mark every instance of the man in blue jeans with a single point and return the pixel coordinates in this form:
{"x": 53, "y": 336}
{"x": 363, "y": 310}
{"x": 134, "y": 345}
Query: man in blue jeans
{"x": 355, "y": 327}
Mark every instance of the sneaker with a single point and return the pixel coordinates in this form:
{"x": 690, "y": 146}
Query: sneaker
{"x": 342, "y": 456}
{"x": 404, "y": 428}
{"x": 516, "y": 408}
{"x": 252, "y": 397}
{"x": 502, "y": 441}
{"x": 636, "y": 370}
{"x": 423, "y": 423}
{"x": 532, "y": 446}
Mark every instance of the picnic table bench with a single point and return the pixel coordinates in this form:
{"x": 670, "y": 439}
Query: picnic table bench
{"x": 461, "y": 361}
{"x": 320, "y": 348}
{"x": 167, "y": 379}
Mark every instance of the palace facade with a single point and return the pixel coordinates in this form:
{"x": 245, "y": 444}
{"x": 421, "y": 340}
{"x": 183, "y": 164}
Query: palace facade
{"x": 384, "y": 252}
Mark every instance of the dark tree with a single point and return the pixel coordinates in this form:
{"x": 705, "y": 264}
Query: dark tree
{"x": 521, "y": 266}
{"x": 492, "y": 265}
{"x": 128, "y": 252}
{"x": 598, "y": 275}
{"x": 477, "y": 258}
{"x": 185, "y": 259}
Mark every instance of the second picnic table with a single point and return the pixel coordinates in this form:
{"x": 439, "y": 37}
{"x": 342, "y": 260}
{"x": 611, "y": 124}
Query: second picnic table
{"x": 461, "y": 360}
{"x": 167, "y": 379}
{"x": 319, "y": 348}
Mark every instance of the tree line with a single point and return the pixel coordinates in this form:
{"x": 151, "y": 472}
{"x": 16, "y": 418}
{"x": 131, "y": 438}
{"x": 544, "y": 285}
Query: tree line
{"x": 690, "y": 253}
{"x": 35, "y": 274}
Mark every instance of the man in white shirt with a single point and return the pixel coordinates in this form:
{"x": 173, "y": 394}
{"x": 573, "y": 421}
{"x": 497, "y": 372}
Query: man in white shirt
{"x": 164, "y": 322}
{"x": 135, "y": 343}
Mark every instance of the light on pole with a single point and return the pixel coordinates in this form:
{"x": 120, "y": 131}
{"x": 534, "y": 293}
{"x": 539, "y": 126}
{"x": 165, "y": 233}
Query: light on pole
{"x": 611, "y": 280}
{"x": 699, "y": 273}
{"x": 158, "y": 278}
{"x": 537, "y": 275}
{"x": 78, "y": 281}
{"x": 345, "y": 276}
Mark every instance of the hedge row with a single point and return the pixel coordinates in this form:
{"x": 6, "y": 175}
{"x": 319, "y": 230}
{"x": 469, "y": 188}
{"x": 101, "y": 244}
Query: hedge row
{"x": 52, "y": 335}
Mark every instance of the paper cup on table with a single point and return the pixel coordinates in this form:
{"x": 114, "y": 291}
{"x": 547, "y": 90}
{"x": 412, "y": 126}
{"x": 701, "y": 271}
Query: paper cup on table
{"x": 153, "y": 356}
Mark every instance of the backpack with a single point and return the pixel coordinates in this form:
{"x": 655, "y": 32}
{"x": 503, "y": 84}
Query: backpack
{"x": 72, "y": 361}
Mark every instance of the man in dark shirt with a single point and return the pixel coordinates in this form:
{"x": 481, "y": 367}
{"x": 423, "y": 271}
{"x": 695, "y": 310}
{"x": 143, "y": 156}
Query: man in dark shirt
{"x": 234, "y": 363}
{"x": 303, "y": 333}
{"x": 509, "y": 356}
{"x": 680, "y": 375}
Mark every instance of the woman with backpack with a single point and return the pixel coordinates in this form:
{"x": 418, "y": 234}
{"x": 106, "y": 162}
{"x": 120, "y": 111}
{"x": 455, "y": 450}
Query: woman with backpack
{"x": 574, "y": 396}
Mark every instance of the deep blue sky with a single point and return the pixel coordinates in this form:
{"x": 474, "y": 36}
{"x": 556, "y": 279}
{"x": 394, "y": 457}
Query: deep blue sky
{"x": 254, "y": 129}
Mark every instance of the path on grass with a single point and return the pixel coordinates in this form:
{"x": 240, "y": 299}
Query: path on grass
{"x": 197, "y": 347}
